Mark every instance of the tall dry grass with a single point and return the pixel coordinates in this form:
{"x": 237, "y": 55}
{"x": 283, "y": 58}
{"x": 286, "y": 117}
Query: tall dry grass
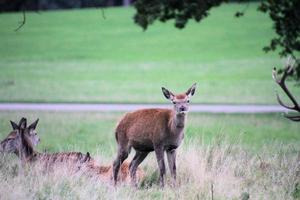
{"x": 221, "y": 170}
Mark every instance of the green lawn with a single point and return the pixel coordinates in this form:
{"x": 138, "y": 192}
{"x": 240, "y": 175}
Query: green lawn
{"x": 95, "y": 131}
{"x": 77, "y": 56}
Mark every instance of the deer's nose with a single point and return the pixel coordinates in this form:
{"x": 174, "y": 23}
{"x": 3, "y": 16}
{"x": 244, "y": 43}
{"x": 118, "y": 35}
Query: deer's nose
{"x": 182, "y": 108}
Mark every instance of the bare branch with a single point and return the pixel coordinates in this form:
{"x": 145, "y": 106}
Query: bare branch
{"x": 212, "y": 191}
{"x": 241, "y": 13}
{"x": 293, "y": 118}
{"x": 288, "y": 71}
{"x": 274, "y": 75}
{"x": 282, "y": 104}
{"x": 103, "y": 13}
{"x": 22, "y": 23}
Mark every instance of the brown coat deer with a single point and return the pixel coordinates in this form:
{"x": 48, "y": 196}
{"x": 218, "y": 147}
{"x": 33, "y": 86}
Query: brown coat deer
{"x": 27, "y": 154}
{"x": 21, "y": 141}
{"x": 156, "y": 130}
{"x": 104, "y": 173}
{"x": 10, "y": 144}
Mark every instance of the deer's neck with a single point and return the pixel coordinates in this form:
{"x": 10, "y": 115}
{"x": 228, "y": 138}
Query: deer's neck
{"x": 178, "y": 121}
{"x": 27, "y": 153}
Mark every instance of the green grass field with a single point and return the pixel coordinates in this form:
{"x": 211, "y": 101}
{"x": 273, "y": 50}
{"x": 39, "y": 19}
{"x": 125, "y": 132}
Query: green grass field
{"x": 78, "y": 56}
{"x": 95, "y": 131}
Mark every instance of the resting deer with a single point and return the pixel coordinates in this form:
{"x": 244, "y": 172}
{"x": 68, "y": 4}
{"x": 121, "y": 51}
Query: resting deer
{"x": 156, "y": 130}
{"x": 287, "y": 71}
{"x": 11, "y": 145}
{"x": 104, "y": 173}
{"x": 21, "y": 143}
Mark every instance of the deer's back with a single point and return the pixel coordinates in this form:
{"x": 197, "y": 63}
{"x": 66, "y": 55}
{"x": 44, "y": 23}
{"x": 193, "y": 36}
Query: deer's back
{"x": 62, "y": 158}
{"x": 144, "y": 126}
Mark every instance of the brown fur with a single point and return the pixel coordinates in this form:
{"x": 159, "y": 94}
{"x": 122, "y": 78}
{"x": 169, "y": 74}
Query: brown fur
{"x": 156, "y": 130}
{"x": 74, "y": 160}
{"x": 104, "y": 173}
{"x": 139, "y": 128}
{"x": 11, "y": 135}
{"x": 10, "y": 144}
{"x": 27, "y": 155}
{"x": 180, "y": 96}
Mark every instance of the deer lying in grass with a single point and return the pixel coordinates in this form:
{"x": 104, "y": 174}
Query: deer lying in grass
{"x": 22, "y": 139}
{"x": 11, "y": 145}
{"x": 156, "y": 130}
{"x": 104, "y": 173}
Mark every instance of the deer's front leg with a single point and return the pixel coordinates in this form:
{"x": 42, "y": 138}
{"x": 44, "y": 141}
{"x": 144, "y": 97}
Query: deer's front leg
{"x": 172, "y": 163}
{"x": 159, "y": 152}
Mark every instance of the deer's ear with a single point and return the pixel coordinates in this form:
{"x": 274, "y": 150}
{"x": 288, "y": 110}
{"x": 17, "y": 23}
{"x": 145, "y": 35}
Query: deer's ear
{"x": 14, "y": 125}
{"x": 23, "y": 123}
{"x": 191, "y": 90}
{"x": 86, "y": 158}
{"x": 169, "y": 95}
{"x": 33, "y": 125}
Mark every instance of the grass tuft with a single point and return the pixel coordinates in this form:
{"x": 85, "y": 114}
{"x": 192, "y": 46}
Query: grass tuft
{"x": 233, "y": 172}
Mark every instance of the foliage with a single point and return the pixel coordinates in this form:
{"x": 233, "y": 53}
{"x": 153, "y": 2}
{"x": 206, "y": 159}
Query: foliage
{"x": 285, "y": 15}
{"x": 148, "y": 11}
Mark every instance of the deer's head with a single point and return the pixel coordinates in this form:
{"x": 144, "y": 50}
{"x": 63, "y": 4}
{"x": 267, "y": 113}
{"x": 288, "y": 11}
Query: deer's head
{"x": 180, "y": 101}
{"x": 11, "y": 143}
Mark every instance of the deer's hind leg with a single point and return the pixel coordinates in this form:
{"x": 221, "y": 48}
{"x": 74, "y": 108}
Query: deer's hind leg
{"x": 138, "y": 159}
{"x": 123, "y": 151}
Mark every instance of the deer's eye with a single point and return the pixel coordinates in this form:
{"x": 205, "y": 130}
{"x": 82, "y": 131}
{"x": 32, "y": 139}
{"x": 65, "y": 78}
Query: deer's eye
{"x": 174, "y": 102}
{"x": 188, "y": 101}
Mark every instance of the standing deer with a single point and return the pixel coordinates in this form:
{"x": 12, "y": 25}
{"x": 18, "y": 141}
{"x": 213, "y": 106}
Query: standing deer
{"x": 156, "y": 130}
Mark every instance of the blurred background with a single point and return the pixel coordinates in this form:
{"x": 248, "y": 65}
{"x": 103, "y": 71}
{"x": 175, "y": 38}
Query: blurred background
{"x": 17, "y": 5}
{"x": 95, "y": 52}
{"x": 101, "y": 55}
